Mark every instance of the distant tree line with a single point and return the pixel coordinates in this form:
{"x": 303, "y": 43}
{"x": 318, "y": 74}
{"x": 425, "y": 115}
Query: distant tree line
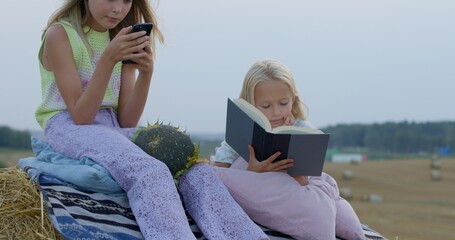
{"x": 10, "y": 138}
{"x": 394, "y": 137}
{"x": 390, "y": 137}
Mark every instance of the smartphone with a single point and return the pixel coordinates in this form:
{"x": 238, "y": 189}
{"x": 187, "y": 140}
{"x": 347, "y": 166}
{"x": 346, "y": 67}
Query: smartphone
{"x": 147, "y": 27}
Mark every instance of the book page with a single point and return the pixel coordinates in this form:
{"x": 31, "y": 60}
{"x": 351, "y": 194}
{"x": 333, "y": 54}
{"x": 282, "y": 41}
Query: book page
{"x": 296, "y": 129}
{"x": 253, "y": 113}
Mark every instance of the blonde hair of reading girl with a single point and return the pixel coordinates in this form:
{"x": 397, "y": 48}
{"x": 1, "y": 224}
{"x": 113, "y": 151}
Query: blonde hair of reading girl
{"x": 309, "y": 208}
{"x": 91, "y": 107}
{"x": 270, "y": 87}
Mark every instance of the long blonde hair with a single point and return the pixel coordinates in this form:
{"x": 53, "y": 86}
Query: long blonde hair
{"x": 76, "y": 12}
{"x": 272, "y": 70}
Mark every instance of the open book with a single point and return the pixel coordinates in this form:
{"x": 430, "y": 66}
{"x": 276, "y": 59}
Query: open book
{"x": 246, "y": 125}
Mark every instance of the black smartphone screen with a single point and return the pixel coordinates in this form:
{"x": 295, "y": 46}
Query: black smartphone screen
{"x": 143, "y": 27}
{"x": 147, "y": 27}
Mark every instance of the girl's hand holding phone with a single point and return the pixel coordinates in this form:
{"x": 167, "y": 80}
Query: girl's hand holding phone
{"x": 145, "y": 29}
{"x": 129, "y": 44}
{"x": 125, "y": 44}
{"x": 144, "y": 63}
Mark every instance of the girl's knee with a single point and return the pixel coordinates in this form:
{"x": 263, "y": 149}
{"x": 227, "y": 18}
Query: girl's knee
{"x": 319, "y": 223}
{"x": 201, "y": 169}
{"x": 157, "y": 165}
{"x": 348, "y": 225}
{"x": 329, "y": 179}
{"x": 314, "y": 218}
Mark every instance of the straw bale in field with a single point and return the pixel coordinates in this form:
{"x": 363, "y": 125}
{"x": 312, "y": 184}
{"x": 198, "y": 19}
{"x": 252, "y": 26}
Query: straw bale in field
{"x": 22, "y": 214}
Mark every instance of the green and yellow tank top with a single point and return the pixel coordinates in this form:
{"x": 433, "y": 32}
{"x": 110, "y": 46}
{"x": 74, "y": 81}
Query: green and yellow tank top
{"x": 52, "y": 101}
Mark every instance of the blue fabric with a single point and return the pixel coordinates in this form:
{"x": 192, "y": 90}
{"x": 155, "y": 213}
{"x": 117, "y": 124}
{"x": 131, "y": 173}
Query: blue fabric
{"x": 84, "y": 173}
{"x": 78, "y": 215}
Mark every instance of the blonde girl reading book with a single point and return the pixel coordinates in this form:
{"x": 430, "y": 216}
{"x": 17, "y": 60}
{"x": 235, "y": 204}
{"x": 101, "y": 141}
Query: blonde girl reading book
{"x": 302, "y": 207}
{"x": 91, "y": 107}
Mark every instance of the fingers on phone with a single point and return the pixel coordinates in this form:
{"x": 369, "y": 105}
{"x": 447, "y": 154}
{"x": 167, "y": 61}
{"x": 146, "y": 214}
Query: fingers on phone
{"x": 140, "y": 47}
{"x": 125, "y": 30}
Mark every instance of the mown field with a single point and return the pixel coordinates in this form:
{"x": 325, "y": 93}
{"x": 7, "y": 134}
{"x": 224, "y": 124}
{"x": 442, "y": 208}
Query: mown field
{"x": 9, "y": 157}
{"x": 411, "y": 206}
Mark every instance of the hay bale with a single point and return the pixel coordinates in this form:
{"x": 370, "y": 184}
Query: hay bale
{"x": 372, "y": 198}
{"x": 23, "y": 215}
{"x": 346, "y": 193}
{"x": 435, "y": 164}
{"x": 348, "y": 174}
{"x": 354, "y": 162}
{"x": 435, "y": 175}
{"x": 435, "y": 157}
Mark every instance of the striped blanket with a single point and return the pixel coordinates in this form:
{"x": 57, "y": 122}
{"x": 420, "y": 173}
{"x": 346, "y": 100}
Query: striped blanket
{"x": 80, "y": 214}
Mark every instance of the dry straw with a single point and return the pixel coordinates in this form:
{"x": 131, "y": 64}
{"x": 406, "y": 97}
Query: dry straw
{"x": 22, "y": 214}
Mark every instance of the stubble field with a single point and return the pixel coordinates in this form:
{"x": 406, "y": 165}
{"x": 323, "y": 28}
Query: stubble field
{"x": 9, "y": 158}
{"x": 405, "y": 202}
{"x": 398, "y": 198}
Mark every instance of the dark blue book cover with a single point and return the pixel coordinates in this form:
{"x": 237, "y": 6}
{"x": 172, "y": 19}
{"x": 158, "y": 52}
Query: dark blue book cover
{"x": 306, "y": 146}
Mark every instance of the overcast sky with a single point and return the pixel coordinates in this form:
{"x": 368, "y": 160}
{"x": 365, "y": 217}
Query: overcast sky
{"x": 354, "y": 61}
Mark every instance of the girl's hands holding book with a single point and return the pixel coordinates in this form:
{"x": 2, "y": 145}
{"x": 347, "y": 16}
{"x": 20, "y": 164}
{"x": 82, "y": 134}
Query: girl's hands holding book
{"x": 267, "y": 165}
